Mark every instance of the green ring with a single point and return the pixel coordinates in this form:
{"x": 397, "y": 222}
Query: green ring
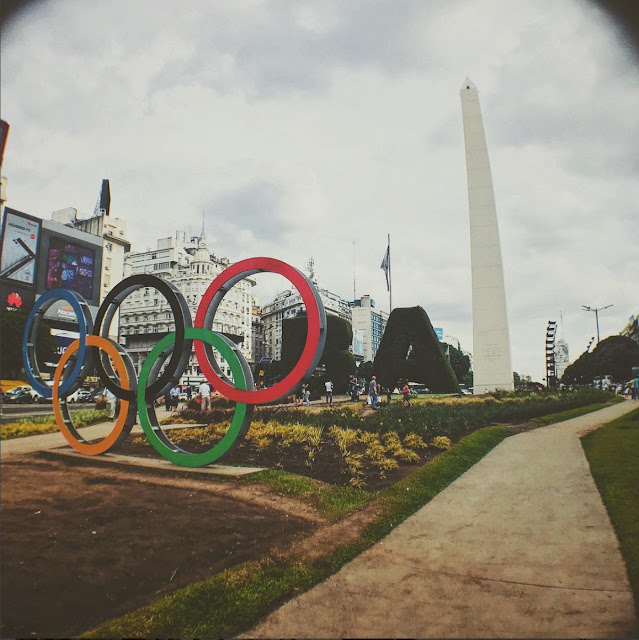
{"x": 155, "y": 435}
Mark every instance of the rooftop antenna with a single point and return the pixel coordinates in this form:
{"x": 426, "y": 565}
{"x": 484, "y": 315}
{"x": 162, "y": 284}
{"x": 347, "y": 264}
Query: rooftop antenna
{"x": 354, "y": 294}
{"x": 310, "y": 267}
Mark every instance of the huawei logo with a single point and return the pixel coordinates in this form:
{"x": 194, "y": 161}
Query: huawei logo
{"x": 14, "y": 300}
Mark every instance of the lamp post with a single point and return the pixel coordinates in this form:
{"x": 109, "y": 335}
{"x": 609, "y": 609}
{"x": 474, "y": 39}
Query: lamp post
{"x": 596, "y": 312}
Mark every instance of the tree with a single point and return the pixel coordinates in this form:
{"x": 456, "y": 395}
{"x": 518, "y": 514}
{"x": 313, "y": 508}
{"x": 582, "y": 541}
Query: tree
{"x": 613, "y": 356}
{"x": 410, "y": 350}
{"x": 458, "y": 360}
{"x": 338, "y": 361}
{"x": 517, "y": 381}
{"x": 365, "y": 370}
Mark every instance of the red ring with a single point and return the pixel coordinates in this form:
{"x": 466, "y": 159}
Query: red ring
{"x": 287, "y": 384}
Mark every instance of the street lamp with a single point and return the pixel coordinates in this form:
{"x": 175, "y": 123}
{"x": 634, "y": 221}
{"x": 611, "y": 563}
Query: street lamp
{"x": 596, "y": 312}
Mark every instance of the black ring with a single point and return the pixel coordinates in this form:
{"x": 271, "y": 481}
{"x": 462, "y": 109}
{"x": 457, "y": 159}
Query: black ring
{"x": 181, "y": 353}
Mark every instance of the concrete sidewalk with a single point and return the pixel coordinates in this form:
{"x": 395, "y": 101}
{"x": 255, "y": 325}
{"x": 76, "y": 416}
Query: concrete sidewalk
{"x": 519, "y": 546}
{"x": 47, "y": 441}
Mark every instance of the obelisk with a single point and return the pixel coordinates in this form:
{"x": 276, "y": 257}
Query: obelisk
{"x": 491, "y": 343}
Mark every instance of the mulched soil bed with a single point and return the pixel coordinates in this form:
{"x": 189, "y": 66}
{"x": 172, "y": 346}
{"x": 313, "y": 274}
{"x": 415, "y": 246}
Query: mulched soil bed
{"x": 81, "y": 544}
{"x": 328, "y": 466}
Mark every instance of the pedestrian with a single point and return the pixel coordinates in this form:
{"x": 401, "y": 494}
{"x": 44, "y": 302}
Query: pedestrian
{"x": 307, "y": 395}
{"x": 354, "y": 389}
{"x": 329, "y": 392}
{"x": 406, "y": 394}
{"x": 635, "y": 388}
{"x": 111, "y": 401}
{"x": 189, "y": 392}
{"x": 372, "y": 392}
{"x": 299, "y": 396}
{"x": 388, "y": 395}
{"x": 168, "y": 401}
{"x": 205, "y": 394}
{"x": 175, "y": 397}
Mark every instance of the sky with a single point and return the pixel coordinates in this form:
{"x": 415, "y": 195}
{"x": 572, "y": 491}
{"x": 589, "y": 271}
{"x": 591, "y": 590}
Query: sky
{"x": 315, "y": 129}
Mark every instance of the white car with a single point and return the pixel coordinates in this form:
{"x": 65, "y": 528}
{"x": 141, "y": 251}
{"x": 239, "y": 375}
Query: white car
{"x": 81, "y": 395}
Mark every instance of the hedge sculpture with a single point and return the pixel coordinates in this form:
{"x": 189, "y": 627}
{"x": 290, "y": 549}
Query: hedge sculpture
{"x": 410, "y": 351}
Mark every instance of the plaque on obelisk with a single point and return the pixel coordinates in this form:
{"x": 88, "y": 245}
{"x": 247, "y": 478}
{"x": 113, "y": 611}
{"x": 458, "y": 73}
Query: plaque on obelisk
{"x": 491, "y": 343}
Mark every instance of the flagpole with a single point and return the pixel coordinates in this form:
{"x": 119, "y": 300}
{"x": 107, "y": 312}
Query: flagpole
{"x": 390, "y": 280}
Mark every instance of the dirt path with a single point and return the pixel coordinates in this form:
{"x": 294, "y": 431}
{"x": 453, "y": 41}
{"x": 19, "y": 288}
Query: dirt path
{"x": 519, "y": 546}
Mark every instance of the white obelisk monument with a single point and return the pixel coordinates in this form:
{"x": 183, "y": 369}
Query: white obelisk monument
{"x": 491, "y": 343}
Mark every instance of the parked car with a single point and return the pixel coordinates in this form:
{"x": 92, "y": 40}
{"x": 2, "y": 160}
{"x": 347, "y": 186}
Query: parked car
{"x": 466, "y": 392}
{"x": 38, "y": 398}
{"x": 81, "y": 395}
{"x": 19, "y": 395}
{"x": 417, "y": 388}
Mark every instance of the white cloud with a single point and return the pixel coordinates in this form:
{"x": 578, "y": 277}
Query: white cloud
{"x": 297, "y": 127}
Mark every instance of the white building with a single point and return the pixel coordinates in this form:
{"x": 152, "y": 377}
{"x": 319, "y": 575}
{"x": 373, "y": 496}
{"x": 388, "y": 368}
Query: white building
{"x": 562, "y": 358}
{"x": 371, "y": 322}
{"x": 288, "y": 304}
{"x": 260, "y": 347}
{"x": 191, "y": 267}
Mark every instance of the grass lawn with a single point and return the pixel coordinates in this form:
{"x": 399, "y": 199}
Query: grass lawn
{"x": 235, "y": 600}
{"x": 578, "y": 411}
{"x": 36, "y": 425}
{"x": 613, "y": 454}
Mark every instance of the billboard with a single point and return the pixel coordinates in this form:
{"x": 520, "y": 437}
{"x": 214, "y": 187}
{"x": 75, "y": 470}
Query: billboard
{"x": 70, "y": 266}
{"x": 15, "y": 298}
{"x": 358, "y": 342}
{"x": 70, "y": 259}
{"x": 19, "y": 250}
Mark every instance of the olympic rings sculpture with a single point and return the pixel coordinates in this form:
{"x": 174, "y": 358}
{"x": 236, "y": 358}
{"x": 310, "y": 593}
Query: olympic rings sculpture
{"x": 168, "y": 360}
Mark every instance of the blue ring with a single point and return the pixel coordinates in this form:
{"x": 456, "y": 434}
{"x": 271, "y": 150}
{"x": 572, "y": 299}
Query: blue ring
{"x": 50, "y": 297}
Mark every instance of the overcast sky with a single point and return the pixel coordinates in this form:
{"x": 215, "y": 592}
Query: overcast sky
{"x": 300, "y": 126}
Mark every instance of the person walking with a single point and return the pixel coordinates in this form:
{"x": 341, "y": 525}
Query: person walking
{"x": 372, "y": 392}
{"x": 635, "y": 388}
{"x": 111, "y": 401}
{"x": 354, "y": 389}
{"x": 388, "y": 395}
{"x": 175, "y": 397}
{"x": 307, "y": 394}
{"x": 329, "y": 392}
{"x": 406, "y": 394}
{"x": 205, "y": 394}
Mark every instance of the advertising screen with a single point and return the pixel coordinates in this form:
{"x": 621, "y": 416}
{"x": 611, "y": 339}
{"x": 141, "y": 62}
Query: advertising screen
{"x": 20, "y": 237}
{"x": 70, "y": 266}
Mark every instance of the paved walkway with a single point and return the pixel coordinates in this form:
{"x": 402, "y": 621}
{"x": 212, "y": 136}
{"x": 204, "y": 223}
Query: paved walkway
{"x": 519, "y": 546}
{"x": 47, "y": 441}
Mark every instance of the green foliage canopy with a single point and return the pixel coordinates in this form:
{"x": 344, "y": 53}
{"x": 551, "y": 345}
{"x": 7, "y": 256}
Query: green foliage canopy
{"x": 613, "y": 356}
{"x": 337, "y": 359}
